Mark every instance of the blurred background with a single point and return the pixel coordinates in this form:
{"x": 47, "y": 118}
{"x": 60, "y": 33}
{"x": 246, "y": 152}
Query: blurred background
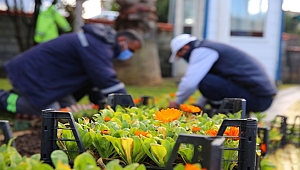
{"x": 266, "y": 29}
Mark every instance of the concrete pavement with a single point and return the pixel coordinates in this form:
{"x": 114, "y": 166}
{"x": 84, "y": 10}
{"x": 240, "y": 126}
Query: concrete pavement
{"x": 286, "y": 103}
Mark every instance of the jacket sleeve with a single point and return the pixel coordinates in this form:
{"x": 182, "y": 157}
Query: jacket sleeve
{"x": 62, "y": 22}
{"x": 201, "y": 61}
{"x": 97, "y": 60}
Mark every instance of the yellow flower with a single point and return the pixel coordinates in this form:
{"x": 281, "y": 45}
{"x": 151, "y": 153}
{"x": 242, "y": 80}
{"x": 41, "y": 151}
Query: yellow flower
{"x": 189, "y": 108}
{"x": 167, "y": 115}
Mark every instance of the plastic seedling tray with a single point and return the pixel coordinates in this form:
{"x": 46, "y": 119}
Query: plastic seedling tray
{"x": 5, "y": 127}
{"x": 49, "y": 133}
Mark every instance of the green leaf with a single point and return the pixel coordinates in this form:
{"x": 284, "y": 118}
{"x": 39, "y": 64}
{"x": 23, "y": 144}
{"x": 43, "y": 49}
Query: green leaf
{"x": 33, "y": 164}
{"x": 186, "y": 154}
{"x": 103, "y": 146}
{"x": 160, "y": 153}
{"x": 85, "y": 161}
{"x": 59, "y": 155}
{"x": 141, "y": 167}
{"x": 114, "y": 165}
{"x": 146, "y": 146}
{"x": 45, "y": 166}
{"x": 87, "y": 139}
{"x": 126, "y": 117}
{"x": 179, "y": 166}
{"x": 137, "y": 153}
{"x": 168, "y": 145}
{"x": 132, "y": 166}
{"x": 127, "y": 146}
{"x": 2, "y": 161}
{"x": 36, "y": 157}
{"x": 266, "y": 165}
{"x": 14, "y": 156}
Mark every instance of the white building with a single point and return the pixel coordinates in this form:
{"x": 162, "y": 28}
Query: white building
{"x": 252, "y": 25}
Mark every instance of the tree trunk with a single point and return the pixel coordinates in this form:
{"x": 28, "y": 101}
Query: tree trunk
{"x": 144, "y": 67}
{"x": 78, "y": 16}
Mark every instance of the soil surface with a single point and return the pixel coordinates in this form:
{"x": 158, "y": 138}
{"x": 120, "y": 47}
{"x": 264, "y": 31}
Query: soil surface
{"x": 27, "y": 142}
{"x": 27, "y": 137}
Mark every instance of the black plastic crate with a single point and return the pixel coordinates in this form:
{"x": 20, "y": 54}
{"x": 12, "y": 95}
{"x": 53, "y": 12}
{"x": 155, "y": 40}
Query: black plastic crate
{"x": 6, "y": 130}
{"x": 124, "y": 100}
{"x": 247, "y": 141}
{"x": 293, "y": 132}
{"x": 246, "y": 149}
{"x": 278, "y": 124}
{"x": 233, "y": 105}
{"x": 212, "y": 146}
{"x": 50, "y": 119}
{"x": 146, "y": 101}
{"x": 210, "y": 154}
{"x": 263, "y": 134}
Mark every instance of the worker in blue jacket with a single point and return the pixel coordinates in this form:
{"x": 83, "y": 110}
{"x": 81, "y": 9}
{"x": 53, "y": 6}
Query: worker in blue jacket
{"x": 220, "y": 71}
{"x": 47, "y": 75}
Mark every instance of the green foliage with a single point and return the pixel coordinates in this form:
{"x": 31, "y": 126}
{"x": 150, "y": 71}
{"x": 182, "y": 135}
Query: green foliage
{"x": 162, "y": 10}
{"x": 265, "y": 164}
{"x": 11, "y": 159}
{"x": 5, "y": 85}
{"x": 115, "y": 165}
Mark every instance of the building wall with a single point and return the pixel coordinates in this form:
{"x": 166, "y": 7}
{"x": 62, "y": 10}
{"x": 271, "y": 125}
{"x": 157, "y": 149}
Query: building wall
{"x": 8, "y": 43}
{"x": 266, "y": 49}
{"x": 10, "y": 25}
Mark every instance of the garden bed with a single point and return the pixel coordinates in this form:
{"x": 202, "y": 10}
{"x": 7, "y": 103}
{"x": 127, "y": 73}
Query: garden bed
{"x": 146, "y": 135}
{"x": 28, "y": 142}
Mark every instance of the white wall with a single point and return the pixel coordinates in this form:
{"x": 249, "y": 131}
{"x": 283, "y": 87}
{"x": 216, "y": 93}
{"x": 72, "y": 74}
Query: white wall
{"x": 265, "y": 49}
{"x": 218, "y": 24}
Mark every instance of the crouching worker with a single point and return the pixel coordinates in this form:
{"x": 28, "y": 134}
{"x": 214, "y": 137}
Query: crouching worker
{"x": 220, "y": 71}
{"x": 48, "y": 74}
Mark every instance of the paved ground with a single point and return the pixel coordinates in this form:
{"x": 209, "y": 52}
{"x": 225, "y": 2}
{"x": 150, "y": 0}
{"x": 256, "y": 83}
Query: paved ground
{"x": 286, "y": 158}
{"x": 287, "y": 103}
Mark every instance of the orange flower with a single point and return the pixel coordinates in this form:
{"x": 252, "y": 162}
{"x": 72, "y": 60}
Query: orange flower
{"x": 196, "y": 129}
{"x": 140, "y": 133}
{"x": 191, "y": 99}
{"x": 95, "y": 106}
{"x": 107, "y": 118}
{"x": 233, "y": 131}
{"x": 212, "y": 132}
{"x": 64, "y": 109}
{"x": 172, "y": 94}
{"x": 191, "y": 167}
{"x": 137, "y": 100}
{"x": 167, "y": 115}
{"x": 263, "y": 148}
{"x": 189, "y": 108}
{"x": 106, "y": 132}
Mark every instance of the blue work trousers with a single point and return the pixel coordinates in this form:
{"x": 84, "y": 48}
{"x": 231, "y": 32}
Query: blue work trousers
{"x": 216, "y": 88}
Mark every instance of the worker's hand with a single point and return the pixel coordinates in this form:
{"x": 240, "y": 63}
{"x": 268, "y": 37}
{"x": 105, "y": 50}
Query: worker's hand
{"x": 173, "y": 104}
